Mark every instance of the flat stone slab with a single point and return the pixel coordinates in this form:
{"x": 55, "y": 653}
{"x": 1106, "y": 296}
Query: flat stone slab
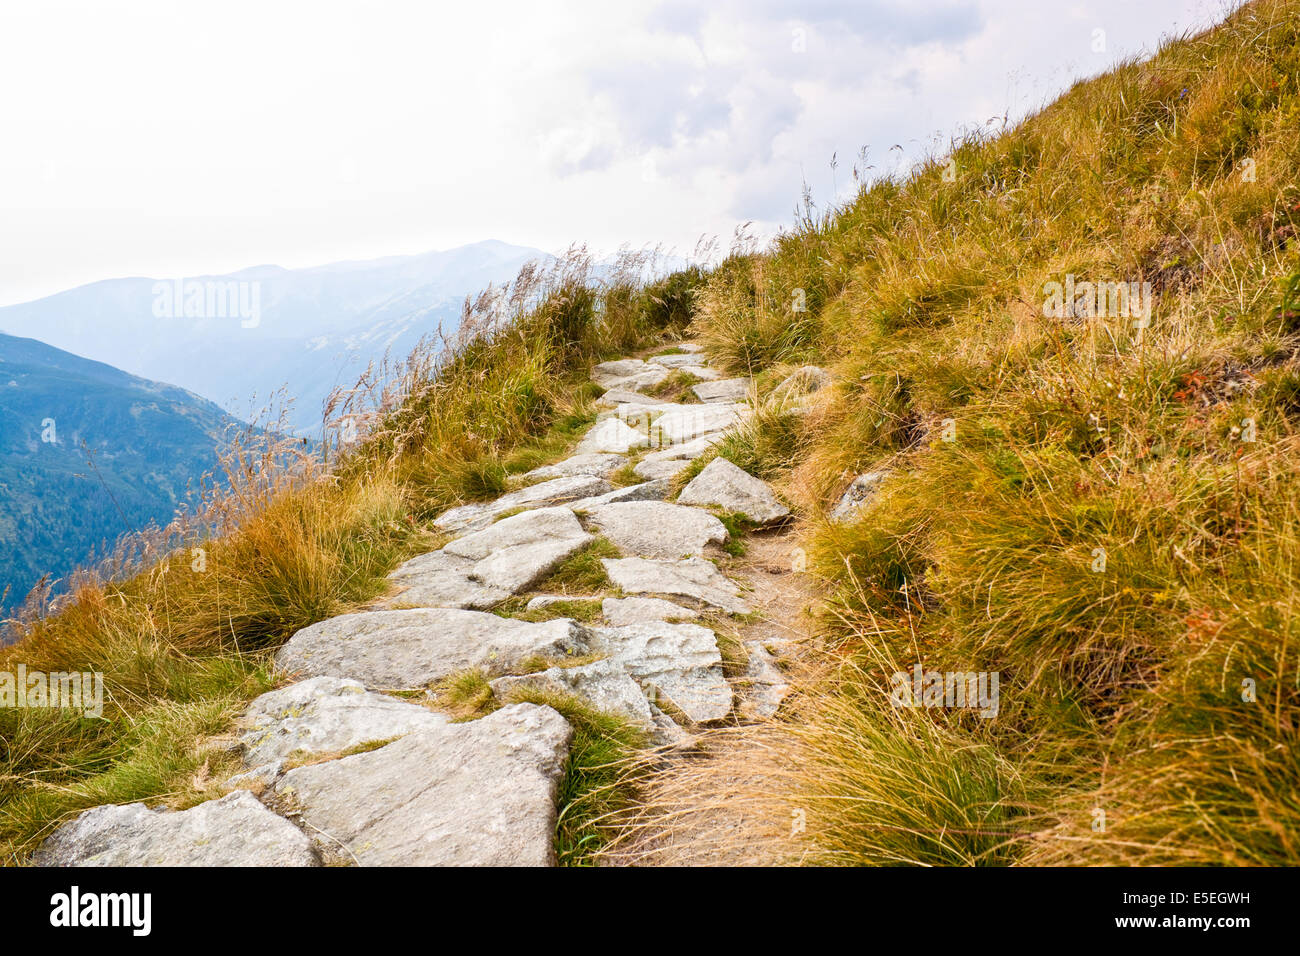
{"x": 652, "y": 470}
{"x": 657, "y": 529}
{"x": 412, "y": 648}
{"x": 607, "y": 372}
{"x": 233, "y": 831}
{"x": 723, "y": 390}
{"x": 702, "y": 372}
{"x": 557, "y": 491}
{"x": 517, "y": 552}
{"x": 680, "y": 661}
{"x": 480, "y": 793}
{"x": 684, "y": 423}
{"x": 656, "y": 490}
{"x": 628, "y": 374}
{"x": 675, "y": 361}
{"x": 727, "y": 486}
{"x": 620, "y": 611}
{"x": 856, "y": 496}
{"x": 605, "y": 684}
{"x": 484, "y": 568}
{"x": 687, "y": 451}
{"x": 439, "y": 579}
{"x": 612, "y": 435}
{"x": 325, "y": 715}
{"x": 599, "y": 465}
{"x": 622, "y": 396}
{"x": 649, "y": 378}
{"x": 693, "y": 581}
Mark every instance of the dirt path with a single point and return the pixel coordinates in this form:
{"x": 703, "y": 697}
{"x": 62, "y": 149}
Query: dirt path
{"x": 726, "y": 801}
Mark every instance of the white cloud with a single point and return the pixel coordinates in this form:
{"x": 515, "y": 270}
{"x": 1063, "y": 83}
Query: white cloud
{"x": 171, "y": 139}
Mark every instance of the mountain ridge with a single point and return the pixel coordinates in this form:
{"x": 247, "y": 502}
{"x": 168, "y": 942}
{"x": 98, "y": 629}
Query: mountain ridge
{"x": 308, "y": 337}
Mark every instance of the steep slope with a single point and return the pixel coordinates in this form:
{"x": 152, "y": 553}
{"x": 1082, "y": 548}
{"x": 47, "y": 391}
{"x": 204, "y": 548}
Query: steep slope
{"x": 87, "y": 453}
{"x": 1066, "y": 362}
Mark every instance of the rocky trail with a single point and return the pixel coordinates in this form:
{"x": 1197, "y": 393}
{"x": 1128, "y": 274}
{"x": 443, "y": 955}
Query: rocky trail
{"x": 690, "y": 639}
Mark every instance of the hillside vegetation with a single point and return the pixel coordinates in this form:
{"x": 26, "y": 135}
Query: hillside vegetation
{"x": 1149, "y": 705}
{"x": 1149, "y": 702}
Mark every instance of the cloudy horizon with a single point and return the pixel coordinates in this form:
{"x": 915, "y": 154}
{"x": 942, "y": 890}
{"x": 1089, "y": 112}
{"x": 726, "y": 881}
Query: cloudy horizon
{"x": 219, "y": 137}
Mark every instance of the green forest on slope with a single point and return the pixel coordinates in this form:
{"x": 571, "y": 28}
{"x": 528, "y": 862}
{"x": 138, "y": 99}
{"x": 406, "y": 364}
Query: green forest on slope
{"x": 89, "y": 453}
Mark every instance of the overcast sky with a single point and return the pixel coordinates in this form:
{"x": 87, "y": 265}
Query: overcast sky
{"x": 177, "y": 138}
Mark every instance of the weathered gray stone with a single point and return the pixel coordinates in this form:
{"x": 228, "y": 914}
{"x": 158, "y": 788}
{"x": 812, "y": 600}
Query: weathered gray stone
{"x": 612, "y": 435}
{"x": 765, "y": 685}
{"x": 620, "y": 611}
{"x": 439, "y": 579}
{"x": 676, "y": 360}
{"x": 557, "y": 491}
{"x": 629, "y": 374}
{"x": 691, "y": 580}
{"x": 258, "y": 778}
{"x": 325, "y": 715}
{"x": 622, "y": 396}
{"x": 480, "y": 793}
{"x": 657, "y": 529}
{"x": 656, "y": 490}
{"x": 601, "y": 465}
{"x": 687, "y": 451}
{"x": 606, "y": 684}
{"x": 857, "y": 495}
{"x": 680, "y": 661}
{"x": 684, "y": 423}
{"x": 517, "y": 552}
{"x": 659, "y": 468}
{"x": 484, "y": 568}
{"x": 412, "y": 648}
{"x": 695, "y": 348}
{"x": 607, "y": 373}
{"x": 723, "y": 484}
{"x": 233, "y": 831}
{"x": 702, "y": 372}
{"x": 724, "y": 390}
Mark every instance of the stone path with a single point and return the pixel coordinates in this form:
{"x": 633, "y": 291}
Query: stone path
{"x": 337, "y": 769}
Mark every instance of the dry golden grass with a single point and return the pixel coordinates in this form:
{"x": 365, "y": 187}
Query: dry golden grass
{"x": 1125, "y": 691}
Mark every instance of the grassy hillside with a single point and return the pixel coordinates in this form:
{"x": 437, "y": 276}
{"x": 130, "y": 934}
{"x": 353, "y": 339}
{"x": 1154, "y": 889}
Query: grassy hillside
{"x": 1148, "y": 705}
{"x": 88, "y": 453}
{"x": 1173, "y": 448}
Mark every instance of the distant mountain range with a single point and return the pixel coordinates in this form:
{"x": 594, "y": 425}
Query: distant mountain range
{"x": 236, "y": 339}
{"x": 88, "y": 452}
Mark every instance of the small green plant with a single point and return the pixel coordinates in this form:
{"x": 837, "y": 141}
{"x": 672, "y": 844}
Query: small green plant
{"x": 583, "y": 573}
